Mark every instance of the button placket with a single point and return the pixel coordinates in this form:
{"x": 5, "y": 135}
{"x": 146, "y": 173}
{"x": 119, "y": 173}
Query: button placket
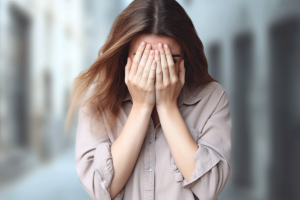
{"x": 149, "y": 162}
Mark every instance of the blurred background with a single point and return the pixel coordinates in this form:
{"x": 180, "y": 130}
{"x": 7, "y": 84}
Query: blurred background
{"x": 253, "y": 49}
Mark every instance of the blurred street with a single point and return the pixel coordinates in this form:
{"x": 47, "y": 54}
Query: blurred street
{"x": 55, "y": 180}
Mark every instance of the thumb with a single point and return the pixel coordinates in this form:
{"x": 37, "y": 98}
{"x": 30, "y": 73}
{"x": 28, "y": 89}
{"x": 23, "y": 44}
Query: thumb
{"x": 181, "y": 73}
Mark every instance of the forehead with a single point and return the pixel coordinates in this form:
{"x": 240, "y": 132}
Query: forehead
{"x": 153, "y": 40}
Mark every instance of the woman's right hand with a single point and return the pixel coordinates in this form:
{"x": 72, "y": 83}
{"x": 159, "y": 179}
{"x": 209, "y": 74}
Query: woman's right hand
{"x": 140, "y": 76}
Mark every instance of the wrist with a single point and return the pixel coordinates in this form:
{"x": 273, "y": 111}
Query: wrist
{"x": 142, "y": 109}
{"x": 166, "y": 107}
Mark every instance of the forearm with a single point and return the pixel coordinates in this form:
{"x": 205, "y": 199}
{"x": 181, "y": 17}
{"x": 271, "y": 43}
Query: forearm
{"x": 181, "y": 144}
{"x": 126, "y": 148}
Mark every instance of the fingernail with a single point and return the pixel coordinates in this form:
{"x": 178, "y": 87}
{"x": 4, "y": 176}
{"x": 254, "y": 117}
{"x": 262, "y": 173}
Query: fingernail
{"x": 143, "y": 44}
{"x": 151, "y": 52}
{"x": 166, "y": 46}
{"x": 148, "y": 46}
{"x": 159, "y": 45}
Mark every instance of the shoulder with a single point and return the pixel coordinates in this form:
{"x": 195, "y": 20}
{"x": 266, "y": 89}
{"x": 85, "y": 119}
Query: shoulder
{"x": 88, "y": 98}
{"x": 92, "y": 94}
{"x": 208, "y": 90}
{"x": 217, "y": 87}
{"x": 211, "y": 95}
{"x": 90, "y": 91}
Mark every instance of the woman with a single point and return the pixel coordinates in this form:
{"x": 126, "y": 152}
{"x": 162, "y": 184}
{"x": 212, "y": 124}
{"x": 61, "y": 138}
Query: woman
{"x": 153, "y": 124}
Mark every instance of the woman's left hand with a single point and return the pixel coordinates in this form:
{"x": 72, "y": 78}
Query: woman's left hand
{"x": 169, "y": 79}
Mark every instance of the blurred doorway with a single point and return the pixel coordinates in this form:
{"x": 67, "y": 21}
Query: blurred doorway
{"x": 19, "y": 79}
{"x": 285, "y": 117}
{"x": 243, "y": 59}
{"x": 16, "y": 149}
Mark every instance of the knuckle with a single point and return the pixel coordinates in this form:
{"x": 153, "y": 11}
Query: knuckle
{"x": 175, "y": 80}
{"x": 146, "y": 71}
{"x": 140, "y": 87}
{"x": 150, "y": 89}
{"x": 159, "y": 88}
{"x": 151, "y": 78}
{"x": 168, "y": 84}
{"x": 165, "y": 66}
{"x": 135, "y": 62}
{"x": 150, "y": 60}
{"x": 134, "y": 83}
{"x": 159, "y": 73}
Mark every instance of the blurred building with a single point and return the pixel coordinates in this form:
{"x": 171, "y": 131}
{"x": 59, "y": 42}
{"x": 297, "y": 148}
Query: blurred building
{"x": 41, "y": 52}
{"x": 253, "y": 49}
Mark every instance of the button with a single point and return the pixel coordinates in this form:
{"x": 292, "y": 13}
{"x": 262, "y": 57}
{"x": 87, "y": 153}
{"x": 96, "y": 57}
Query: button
{"x": 149, "y": 169}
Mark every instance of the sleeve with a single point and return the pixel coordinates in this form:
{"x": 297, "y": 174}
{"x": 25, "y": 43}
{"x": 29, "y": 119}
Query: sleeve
{"x": 213, "y": 170}
{"x": 94, "y": 164}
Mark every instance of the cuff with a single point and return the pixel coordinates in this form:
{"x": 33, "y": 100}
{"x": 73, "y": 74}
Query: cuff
{"x": 205, "y": 159}
{"x": 177, "y": 174}
{"x": 103, "y": 166}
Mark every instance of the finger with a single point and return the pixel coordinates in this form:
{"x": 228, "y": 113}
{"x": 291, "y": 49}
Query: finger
{"x": 170, "y": 61}
{"x": 159, "y": 73}
{"x": 164, "y": 65}
{"x": 151, "y": 77}
{"x": 147, "y": 69}
{"x": 143, "y": 62}
{"x": 127, "y": 69}
{"x": 136, "y": 59}
{"x": 181, "y": 74}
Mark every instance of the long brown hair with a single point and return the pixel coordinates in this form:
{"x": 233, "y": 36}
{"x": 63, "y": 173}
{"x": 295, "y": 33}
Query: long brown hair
{"x": 159, "y": 17}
